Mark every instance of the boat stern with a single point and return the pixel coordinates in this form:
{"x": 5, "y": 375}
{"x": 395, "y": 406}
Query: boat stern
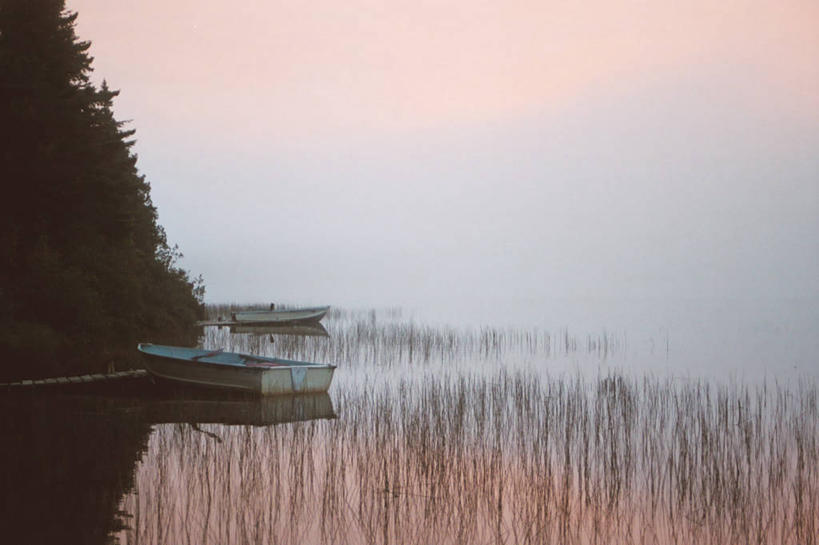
{"x": 297, "y": 380}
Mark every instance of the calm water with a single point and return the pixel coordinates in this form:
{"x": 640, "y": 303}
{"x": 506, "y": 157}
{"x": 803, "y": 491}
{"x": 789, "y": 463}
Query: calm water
{"x": 693, "y": 424}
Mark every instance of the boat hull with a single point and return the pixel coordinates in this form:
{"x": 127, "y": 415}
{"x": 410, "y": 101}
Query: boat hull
{"x": 281, "y": 379}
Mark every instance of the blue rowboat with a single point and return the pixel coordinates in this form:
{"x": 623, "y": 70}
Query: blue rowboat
{"x": 234, "y": 371}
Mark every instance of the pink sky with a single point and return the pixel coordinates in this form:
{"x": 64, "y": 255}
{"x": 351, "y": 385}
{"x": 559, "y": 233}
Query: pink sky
{"x": 460, "y": 147}
{"x": 302, "y": 68}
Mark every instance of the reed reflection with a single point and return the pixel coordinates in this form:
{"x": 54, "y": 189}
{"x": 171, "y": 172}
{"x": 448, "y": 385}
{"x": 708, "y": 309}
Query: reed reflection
{"x": 505, "y": 458}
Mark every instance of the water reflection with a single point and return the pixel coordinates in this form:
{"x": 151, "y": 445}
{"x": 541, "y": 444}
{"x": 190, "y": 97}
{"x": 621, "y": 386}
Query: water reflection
{"x": 303, "y": 330}
{"x": 64, "y": 467}
{"x": 219, "y": 408}
{"x": 442, "y": 436}
{"x": 68, "y": 460}
{"x": 505, "y": 458}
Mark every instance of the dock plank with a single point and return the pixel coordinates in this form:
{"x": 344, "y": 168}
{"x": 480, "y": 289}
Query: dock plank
{"x": 129, "y": 374}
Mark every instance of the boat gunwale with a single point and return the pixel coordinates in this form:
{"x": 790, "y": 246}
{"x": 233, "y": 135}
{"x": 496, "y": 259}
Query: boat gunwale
{"x": 284, "y": 311}
{"x": 282, "y": 363}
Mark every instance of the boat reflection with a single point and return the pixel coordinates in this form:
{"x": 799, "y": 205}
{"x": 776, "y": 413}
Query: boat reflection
{"x": 300, "y": 330}
{"x": 74, "y": 456}
{"x": 206, "y": 408}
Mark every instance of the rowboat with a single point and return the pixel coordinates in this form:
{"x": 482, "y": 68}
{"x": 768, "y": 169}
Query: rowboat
{"x": 285, "y": 316}
{"x": 234, "y": 371}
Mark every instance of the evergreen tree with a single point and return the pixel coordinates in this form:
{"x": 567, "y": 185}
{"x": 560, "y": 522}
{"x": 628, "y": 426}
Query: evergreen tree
{"x": 85, "y": 269}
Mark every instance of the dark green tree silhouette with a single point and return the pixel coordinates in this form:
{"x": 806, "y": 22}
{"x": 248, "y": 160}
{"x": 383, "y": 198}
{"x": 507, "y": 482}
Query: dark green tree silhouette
{"x": 85, "y": 269}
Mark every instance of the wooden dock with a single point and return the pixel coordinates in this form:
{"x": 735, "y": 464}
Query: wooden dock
{"x": 77, "y": 379}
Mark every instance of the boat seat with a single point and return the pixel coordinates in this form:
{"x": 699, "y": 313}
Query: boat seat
{"x": 252, "y": 361}
{"x": 209, "y": 354}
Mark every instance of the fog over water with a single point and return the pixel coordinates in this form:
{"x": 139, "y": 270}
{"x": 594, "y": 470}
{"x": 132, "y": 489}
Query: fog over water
{"x": 656, "y": 176}
{"x": 572, "y": 205}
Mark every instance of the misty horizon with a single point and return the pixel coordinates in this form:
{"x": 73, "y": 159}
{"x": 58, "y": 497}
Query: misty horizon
{"x": 680, "y": 170}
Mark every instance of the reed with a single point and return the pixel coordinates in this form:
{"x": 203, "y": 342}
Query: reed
{"x": 386, "y": 340}
{"x": 451, "y": 436}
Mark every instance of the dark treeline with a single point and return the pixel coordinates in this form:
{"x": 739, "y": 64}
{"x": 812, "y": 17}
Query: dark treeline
{"x": 85, "y": 270}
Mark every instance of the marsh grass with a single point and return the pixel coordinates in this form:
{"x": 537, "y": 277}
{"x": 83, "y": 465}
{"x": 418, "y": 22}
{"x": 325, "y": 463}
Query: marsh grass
{"x": 439, "y": 440}
{"x": 386, "y": 340}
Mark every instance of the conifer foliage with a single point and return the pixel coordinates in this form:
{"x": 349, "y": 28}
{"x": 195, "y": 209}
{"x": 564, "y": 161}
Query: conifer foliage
{"x": 85, "y": 269}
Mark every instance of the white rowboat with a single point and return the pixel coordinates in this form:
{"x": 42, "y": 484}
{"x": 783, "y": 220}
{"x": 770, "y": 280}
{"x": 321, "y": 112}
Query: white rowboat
{"x": 272, "y": 316}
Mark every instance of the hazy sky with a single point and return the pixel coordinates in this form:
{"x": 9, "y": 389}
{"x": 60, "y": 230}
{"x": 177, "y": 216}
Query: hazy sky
{"x": 379, "y": 153}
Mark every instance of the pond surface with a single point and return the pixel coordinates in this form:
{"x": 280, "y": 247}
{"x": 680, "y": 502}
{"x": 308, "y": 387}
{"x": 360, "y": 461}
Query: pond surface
{"x": 441, "y": 433}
